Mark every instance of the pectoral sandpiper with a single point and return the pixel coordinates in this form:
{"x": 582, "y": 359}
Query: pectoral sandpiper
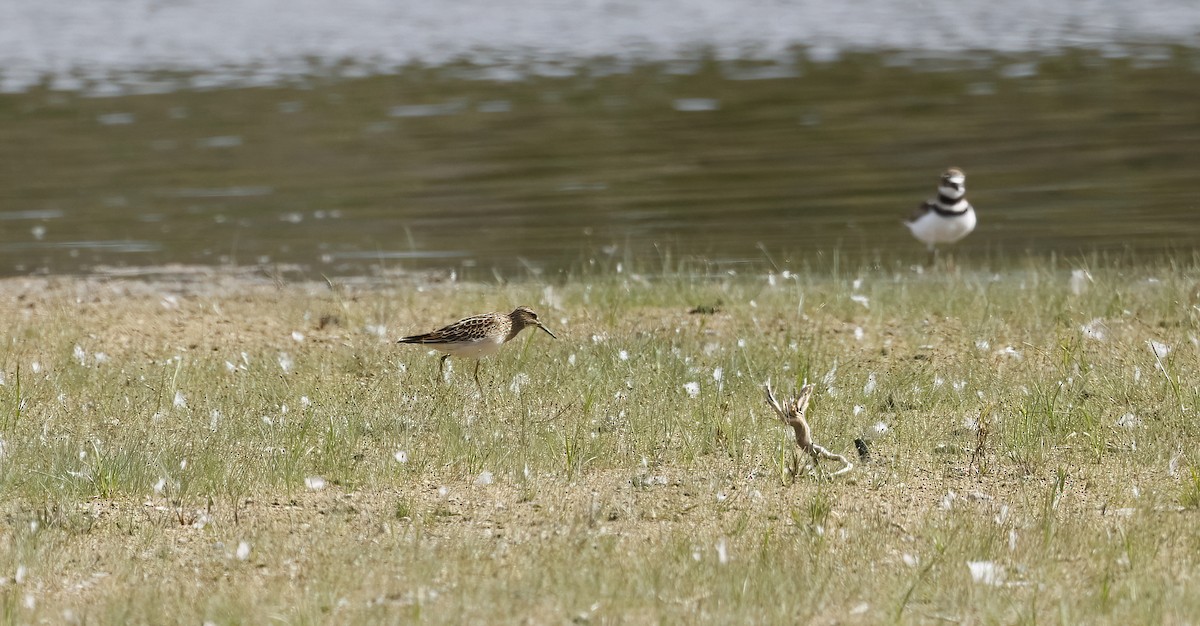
{"x": 946, "y": 218}
{"x": 478, "y": 336}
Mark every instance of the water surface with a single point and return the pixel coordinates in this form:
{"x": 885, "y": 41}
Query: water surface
{"x": 1067, "y": 152}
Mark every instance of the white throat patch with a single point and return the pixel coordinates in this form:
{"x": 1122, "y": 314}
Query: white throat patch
{"x": 951, "y": 192}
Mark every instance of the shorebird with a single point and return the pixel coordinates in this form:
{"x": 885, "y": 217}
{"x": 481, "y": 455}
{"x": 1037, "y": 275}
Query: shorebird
{"x": 946, "y": 218}
{"x": 478, "y": 336}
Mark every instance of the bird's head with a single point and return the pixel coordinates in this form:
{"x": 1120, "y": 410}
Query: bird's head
{"x": 953, "y": 184}
{"x": 523, "y": 316}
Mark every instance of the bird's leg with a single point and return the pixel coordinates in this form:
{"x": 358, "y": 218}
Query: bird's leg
{"x": 442, "y": 364}
{"x": 477, "y": 383}
{"x": 932, "y": 256}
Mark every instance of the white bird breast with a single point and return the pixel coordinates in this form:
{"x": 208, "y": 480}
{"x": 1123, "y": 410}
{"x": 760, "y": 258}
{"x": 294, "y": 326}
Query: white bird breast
{"x": 932, "y": 228}
{"x": 474, "y": 349}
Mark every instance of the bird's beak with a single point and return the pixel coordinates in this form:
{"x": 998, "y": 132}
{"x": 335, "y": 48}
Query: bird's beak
{"x": 546, "y": 329}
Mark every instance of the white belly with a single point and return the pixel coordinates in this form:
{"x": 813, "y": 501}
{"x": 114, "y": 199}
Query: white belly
{"x": 932, "y": 228}
{"x": 472, "y": 349}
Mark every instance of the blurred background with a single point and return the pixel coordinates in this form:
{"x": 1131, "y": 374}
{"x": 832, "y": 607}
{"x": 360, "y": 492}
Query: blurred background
{"x": 369, "y": 137}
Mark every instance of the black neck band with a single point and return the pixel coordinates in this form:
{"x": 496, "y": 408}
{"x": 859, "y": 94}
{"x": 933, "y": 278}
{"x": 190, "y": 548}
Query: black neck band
{"x": 945, "y": 210}
{"x": 948, "y": 201}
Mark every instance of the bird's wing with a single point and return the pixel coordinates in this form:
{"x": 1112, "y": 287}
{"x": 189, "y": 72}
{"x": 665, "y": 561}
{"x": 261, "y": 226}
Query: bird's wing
{"x": 458, "y": 331}
{"x": 920, "y": 211}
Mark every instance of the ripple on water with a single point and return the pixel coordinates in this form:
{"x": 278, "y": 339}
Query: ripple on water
{"x": 691, "y": 105}
{"x": 113, "y": 245}
{"x": 116, "y": 119}
{"x": 221, "y": 192}
{"x": 222, "y": 141}
{"x": 399, "y": 254}
{"x": 35, "y": 214}
{"x": 454, "y": 107}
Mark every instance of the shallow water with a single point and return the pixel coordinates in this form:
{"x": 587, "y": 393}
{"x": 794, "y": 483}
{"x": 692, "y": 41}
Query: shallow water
{"x": 110, "y": 47}
{"x": 784, "y": 162}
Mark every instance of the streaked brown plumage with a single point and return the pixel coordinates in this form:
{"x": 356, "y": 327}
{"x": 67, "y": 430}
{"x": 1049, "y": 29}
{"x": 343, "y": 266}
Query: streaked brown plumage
{"x": 478, "y": 336}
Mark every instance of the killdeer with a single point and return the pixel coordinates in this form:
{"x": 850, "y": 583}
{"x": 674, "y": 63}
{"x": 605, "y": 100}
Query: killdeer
{"x": 946, "y": 218}
{"x": 477, "y": 336}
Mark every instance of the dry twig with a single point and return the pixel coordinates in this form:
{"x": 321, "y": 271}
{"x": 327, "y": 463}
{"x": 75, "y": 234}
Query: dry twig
{"x": 792, "y": 414}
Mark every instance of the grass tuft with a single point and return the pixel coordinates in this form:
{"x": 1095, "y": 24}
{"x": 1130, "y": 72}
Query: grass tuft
{"x": 629, "y": 471}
